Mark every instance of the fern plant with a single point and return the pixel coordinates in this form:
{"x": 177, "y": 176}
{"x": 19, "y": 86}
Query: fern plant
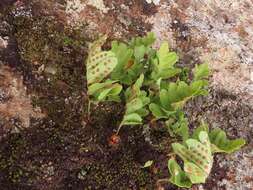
{"x": 149, "y": 83}
{"x": 127, "y": 69}
{"x": 197, "y": 155}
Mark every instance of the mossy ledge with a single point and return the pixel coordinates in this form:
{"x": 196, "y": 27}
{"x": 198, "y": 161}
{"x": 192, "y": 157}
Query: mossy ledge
{"x": 52, "y": 62}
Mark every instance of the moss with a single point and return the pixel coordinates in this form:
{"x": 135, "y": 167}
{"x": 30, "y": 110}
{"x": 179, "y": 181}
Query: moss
{"x": 12, "y": 155}
{"x": 52, "y": 57}
{"x": 15, "y": 175}
{"x": 121, "y": 173}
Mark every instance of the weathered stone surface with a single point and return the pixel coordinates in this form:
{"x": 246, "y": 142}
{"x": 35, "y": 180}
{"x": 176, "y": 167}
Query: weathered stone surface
{"x": 217, "y": 32}
{"x": 16, "y": 108}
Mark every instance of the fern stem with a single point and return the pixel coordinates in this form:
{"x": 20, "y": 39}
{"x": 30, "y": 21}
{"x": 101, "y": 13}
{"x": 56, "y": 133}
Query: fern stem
{"x": 159, "y": 181}
{"x": 89, "y": 105}
{"x": 119, "y": 128}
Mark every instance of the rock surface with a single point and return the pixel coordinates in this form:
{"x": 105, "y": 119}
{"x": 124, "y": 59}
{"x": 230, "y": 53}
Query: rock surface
{"x": 16, "y": 108}
{"x": 217, "y": 32}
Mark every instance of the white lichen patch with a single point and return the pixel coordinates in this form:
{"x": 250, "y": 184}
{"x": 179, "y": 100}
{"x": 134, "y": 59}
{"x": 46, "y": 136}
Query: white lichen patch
{"x": 99, "y": 4}
{"x": 156, "y": 2}
{"x": 161, "y": 22}
{"x": 76, "y": 11}
{"x": 73, "y": 10}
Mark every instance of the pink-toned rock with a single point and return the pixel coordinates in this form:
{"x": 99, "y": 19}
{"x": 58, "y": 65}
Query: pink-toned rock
{"x": 16, "y": 107}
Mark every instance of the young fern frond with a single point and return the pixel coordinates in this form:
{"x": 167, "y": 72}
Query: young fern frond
{"x": 197, "y": 155}
{"x": 136, "y": 103}
{"x": 99, "y": 66}
{"x": 163, "y": 64}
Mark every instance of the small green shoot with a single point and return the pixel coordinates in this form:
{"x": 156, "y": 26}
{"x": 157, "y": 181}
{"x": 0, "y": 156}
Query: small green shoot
{"x": 148, "y": 164}
{"x": 163, "y": 63}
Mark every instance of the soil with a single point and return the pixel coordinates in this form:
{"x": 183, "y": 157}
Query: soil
{"x": 47, "y": 140}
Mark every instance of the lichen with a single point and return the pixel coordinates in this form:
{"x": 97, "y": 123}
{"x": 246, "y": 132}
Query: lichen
{"x": 99, "y": 4}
